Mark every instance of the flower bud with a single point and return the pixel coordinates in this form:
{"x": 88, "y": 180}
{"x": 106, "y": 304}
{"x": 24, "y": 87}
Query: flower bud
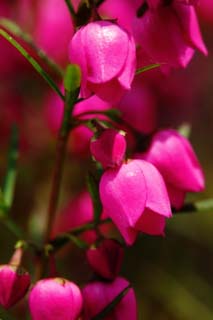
{"x": 106, "y": 259}
{"x": 55, "y": 298}
{"x": 14, "y": 283}
{"x": 109, "y": 149}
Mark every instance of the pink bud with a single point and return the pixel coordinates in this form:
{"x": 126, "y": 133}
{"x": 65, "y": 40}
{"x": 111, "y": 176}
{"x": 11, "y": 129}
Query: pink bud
{"x": 97, "y": 295}
{"x": 106, "y": 56}
{"x": 174, "y": 157}
{"x": 134, "y": 196}
{"x": 55, "y": 298}
{"x": 106, "y": 259}
{"x": 109, "y": 148}
{"x": 14, "y": 283}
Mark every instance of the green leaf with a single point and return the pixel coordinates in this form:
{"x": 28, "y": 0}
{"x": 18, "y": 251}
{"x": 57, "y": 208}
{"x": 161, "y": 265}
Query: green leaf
{"x": 105, "y": 312}
{"x": 202, "y": 206}
{"x": 10, "y": 178}
{"x": 147, "y": 68}
{"x": 16, "y": 31}
{"x": 32, "y": 61}
{"x": 72, "y": 78}
{"x": 93, "y": 188}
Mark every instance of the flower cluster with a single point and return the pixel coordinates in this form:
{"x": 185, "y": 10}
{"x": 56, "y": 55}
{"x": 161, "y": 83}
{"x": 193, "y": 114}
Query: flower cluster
{"x": 139, "y": 170}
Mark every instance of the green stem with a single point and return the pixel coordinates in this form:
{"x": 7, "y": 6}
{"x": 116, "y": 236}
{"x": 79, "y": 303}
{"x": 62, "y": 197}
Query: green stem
{"x": 71, "y": 9}
{"x": 70, "y": 99}
{"x": 32, "y": 61}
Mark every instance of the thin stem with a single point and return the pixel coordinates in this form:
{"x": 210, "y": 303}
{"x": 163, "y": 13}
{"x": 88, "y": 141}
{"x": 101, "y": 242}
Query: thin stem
{"x": 59, "y": 162}
{"x": 71, "y": 9}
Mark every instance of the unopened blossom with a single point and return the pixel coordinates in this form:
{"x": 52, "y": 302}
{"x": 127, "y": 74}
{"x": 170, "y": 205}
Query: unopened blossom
{"x": 97, "y": 295}
{"x": 55, "y": 298}
{"x": 175, "y": 158}
{"x": 169, "y": 32}
{"x": 109, "y": 148}
{"x": 106, "y": 55}
{"x": 14, "y": 283}
{"x": 134, "y": 196}
{"x": 106, "y": 259}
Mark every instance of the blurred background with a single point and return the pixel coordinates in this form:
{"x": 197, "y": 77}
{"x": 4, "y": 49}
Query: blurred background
{"x": 172, "y": 276}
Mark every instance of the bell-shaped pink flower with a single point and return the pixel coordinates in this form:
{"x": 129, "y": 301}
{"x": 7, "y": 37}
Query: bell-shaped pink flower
{"x": 97, "y": 295}
{"x": 106, "y": 259}
{"x": 169, "y": 34}
{"x": 55, "y": 298}
{"x": 14, "y": 283}
{"x": 134, "y": 196}
{"x": 174, "y": 157}
{"x": 109, "y": 148}
{"x": 106, "y": 55}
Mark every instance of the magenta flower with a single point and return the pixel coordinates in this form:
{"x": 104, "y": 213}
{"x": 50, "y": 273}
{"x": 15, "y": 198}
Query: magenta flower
{"x": 109, "y": 148}
{"x": 55, "y": 298}
{"x": 53, "y": 29}
{"x": 134, "y": 196}
{"x": 106, "y": 259}
{"x": 97, "y": 295}
{"x": 174, "y": 157}
{"x": 169, "y": 34}
{"x": 106, "y": 55}
{"x": 14, "y": 283}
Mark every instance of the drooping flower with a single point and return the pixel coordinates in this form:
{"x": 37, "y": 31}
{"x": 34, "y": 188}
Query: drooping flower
{"x": 134, "y": 196}
{"x": 97, "y": 295}
{"x": 106, "y": 55}
{"x": 55, "y": 298}
{"x": 175, "y": 159}
{"x": 14, "y": 283}
{"x": 169, "y": 33}
{"x": 106, "y": 259}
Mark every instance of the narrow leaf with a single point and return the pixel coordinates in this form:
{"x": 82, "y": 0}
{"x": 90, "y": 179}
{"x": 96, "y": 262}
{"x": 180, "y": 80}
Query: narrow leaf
{"x": 105, "y": 312}
{"x": 16, "y": 31}
{"x": 10, "y": 178}
{"x": 147, "y": 68}
{"x": 93, "y": 189}
{"x": 32, "y": 61}
{"x": 72, "y": 78}
{"x": 202, "y": 206}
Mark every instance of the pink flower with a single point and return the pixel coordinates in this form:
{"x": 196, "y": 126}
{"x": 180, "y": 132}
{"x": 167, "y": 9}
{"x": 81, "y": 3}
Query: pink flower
{"x": 109, "y": 148}
{"x": 14, "y": 283}
{"x": 134, "y": 196}
{"x": 54, "y": 28}
{"x": 138, "y": 107}
{"x": 174, "y": 157}
{"x": 169, "y": 34}
{"x": 106, "y": 259}
{"x": 55, "y": 298}
{"x": 106, "y": 56}
{"x": 97, "y": 295}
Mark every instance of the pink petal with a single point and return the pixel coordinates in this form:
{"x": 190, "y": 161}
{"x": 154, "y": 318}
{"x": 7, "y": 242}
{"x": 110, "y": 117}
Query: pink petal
{"x": 106, "y": 48}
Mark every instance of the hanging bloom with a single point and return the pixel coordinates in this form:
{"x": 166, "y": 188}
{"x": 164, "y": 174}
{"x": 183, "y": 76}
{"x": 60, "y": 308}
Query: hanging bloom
{"x": 106, "y": 259}
{"x": 55, "y": 298}
{"x": 109, "y": 148}
{"x": 14, "y": 283}
{"x": 97, "y": 295}
{"x": 175, "y": 159}
{"x": 134, "y": 196}
{"x": 169, "y": 33}
{"x": 106, "y": 55}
